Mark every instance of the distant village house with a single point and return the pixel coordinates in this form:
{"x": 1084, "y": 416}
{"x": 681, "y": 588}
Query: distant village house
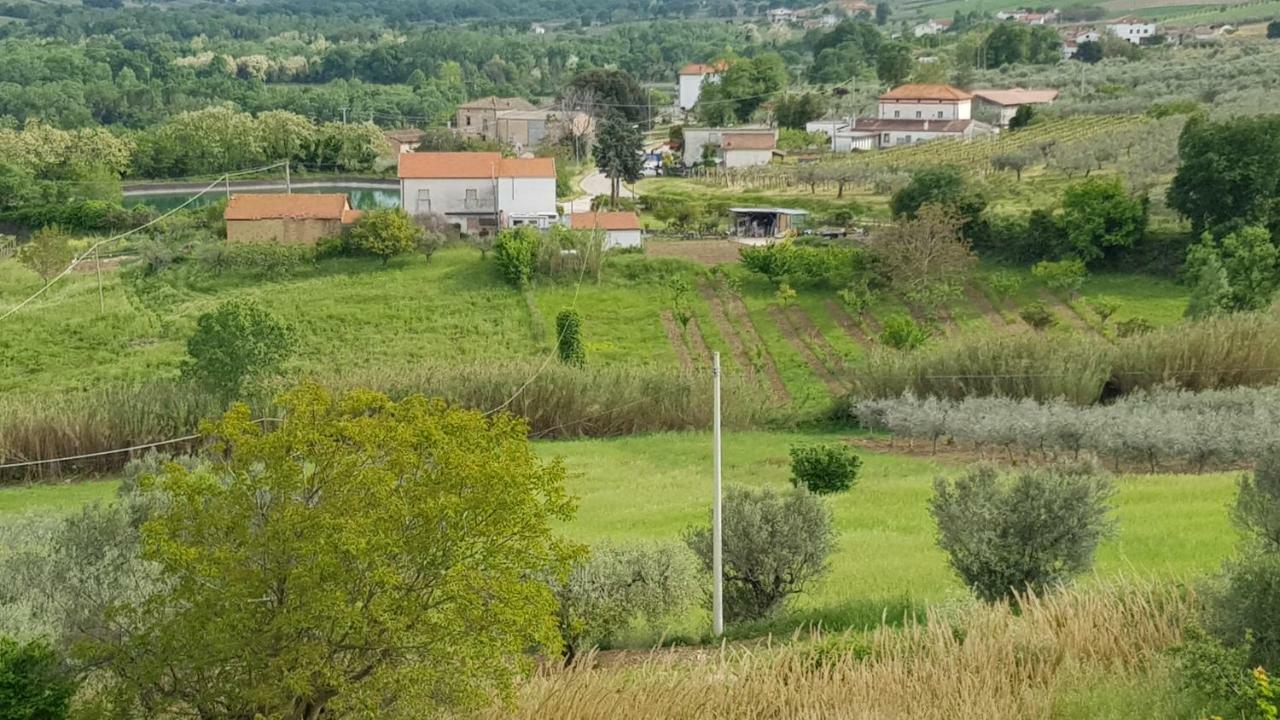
{"x": 621, "y": 229}
{"x": 406, "y": 140}
{"x": 1004, "y": 104}
{"x": 909, "y": 114}
{"x": 691, "y": 78}
{"x": 480, "y": 192}
{"x": 933, "y": 26}
{"x": 479, "y": 118}
{"x": 729, "y": 147}
{"x": 1134, "y": 30}
{"x": 287, "y": 219}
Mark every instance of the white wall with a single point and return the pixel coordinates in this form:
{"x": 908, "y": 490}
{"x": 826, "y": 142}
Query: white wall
{"x": 746, "y": 158}
{"x": 1133, "y": 32}
{"x": 690, "y": 88}
{"x": 448, "y": 197}
{"x": 907, "y": 110}
{"x": 846, "y": 142}
{"x": 694, "y": 140}
{"x": 622, "y": 239}
{"x": 526, "y": 195}
{"x": 899, "y": 137}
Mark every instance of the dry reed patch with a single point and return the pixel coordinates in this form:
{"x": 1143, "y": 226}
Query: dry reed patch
{"x": 981, "y": 662}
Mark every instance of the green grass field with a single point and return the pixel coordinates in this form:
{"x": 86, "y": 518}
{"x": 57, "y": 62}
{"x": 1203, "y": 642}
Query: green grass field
{"x": 353, "y": 314}
{"x": 653, "y": 487}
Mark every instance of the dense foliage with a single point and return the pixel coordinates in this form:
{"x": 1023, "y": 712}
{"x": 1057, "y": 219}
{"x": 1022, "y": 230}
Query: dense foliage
{"x": 1229, "y": 174}
{"x": 569, "y": 345}
{"x": 1031, "y": 532}
{"x": 824, "y": 469}
{"x": 34, "y": 682}
{"x": 1240, "y": 272}
{"x": 235, "y": 345}
{"x": 774, "y": 546}
{"x": 385, "y": 234}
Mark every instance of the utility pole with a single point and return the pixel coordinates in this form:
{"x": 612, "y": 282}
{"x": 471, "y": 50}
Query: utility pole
{"x": 288, "y": 185}
{"x": 344, "y": 116}
{"x": 717, "y": 544}
{"x": 102, "y": 302}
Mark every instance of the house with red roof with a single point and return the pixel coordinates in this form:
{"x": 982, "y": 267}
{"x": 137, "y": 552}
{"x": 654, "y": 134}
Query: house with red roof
{"x": 621, "y": 229}
{"x": 480, "y": 192}
{"x": 692, "y": 76}
{"x": 288, "y": 219}
{"x": 909, "y": 114}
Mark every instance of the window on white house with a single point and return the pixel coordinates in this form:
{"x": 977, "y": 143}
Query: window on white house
{"x": 918, "y": 113}
{"x": 468, "y": 121}
{"x": 897, "y": 114}
{"x": 472, "y": 200}
{"x": 424, "y": 201}
{"x": 939, "y": 113}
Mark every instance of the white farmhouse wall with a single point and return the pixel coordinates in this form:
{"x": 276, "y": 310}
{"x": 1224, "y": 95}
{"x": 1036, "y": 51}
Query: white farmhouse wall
{"x": 848, "y": 142}
{"x": 690, "y": 89}
{"x": 894, "y": 110}
{"x": 746, "y": 158}
{"x": 526, "y": 195}
{"x": 694, "y": 140}
{"x": 622, "y": 239}
{"x": 449, "y": 196}
{"x": 1133, "y": 32}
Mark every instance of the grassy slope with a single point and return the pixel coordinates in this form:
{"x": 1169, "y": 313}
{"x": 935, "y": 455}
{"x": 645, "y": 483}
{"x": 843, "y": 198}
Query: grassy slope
{"x": 356, "y": 314}
{"x": 656, "y": 486}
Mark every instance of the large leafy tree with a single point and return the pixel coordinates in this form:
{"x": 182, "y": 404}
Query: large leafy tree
{"x": 1099, "y": 214}
{"x": 1229, "y": 172}
{"x": 794, "y": 111}
{"x": 48, "y": 253}
{"x": 235, "y": 345}
{"x": 34, "y": 683}
{"x": 365, "y": 559}
{"x": 894, "y": 63}
{"x": 945, "y": 186}
{"x": 1239, "y": 273}
{"x": 618, "y": 153}
{"x": 611, "y": 91}
{"x": 385, "y": 233}
{"x": 742, "y": 89}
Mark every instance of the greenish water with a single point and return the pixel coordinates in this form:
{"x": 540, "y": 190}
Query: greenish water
{"x": 361, "y": 198}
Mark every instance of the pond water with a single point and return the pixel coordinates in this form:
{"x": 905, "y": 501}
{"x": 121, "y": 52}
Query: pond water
{"x": 362, "y": 198}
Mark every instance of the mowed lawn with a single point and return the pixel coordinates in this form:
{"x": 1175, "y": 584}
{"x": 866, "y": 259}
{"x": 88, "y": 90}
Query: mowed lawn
{"x": 654, "y": 487}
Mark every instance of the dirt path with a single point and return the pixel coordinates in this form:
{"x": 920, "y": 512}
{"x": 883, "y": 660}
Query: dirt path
{"x": 677, "y": 340}
{"x": 701, "y": 353}
{"x": 1064, "y": 311}
{"x": 827, "y": 352}
{"x": 848, "y": 324}
{"x": 872, "y": 323}
{"x": 738, "y": 310}
{"x": 793, "y": 337}
{"x": 994, "y": 317}
{"x": 706, "y": 252}
{"x": 721, "y": 319}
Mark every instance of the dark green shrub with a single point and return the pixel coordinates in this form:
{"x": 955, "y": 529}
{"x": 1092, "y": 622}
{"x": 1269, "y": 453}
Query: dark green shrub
{"x": 901, "y": 332}
{"x": 236, "y": 344}
{"x": 516, "y": 252}
{"x": 824, "y": 469}
{"x": 1033, "y": 531}
{"x": 775, "y": 544}
{"x": 1134, "y": 326}
{"x": 774, "y": 261}
{"x": 1038, "y": 316}
{"x": 569, "y": 338}
{"x": 257, "y": 260}
{"x": 34, "y": 683}
{"x": 385, "y": 234}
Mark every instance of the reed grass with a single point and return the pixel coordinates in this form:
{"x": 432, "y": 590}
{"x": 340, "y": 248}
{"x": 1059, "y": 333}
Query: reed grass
{"x": 979, "y": 663}
{"x": 556, "y": 401}
{"x": 1213, "y": 354}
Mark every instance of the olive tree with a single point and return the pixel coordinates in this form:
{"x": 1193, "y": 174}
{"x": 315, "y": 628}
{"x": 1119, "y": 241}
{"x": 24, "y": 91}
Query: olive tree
{"x": 48, "y": 253}
{"x": 1030, "y": 532}
{"x": 234, "y": 345}
{"x": 775, "y": 545}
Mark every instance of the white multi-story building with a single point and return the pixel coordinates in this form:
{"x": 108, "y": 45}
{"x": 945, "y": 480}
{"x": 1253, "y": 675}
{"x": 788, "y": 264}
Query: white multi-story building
{"x": 479, "y": 191}
{"x": 1134, "y": 30}
{"x": 691, "y": 78}
{"x": 733, "y": 147}
{"x": 909, "y": 114}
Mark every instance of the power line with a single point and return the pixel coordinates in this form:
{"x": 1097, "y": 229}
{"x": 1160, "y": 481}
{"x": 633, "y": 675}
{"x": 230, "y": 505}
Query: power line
{"x": 81, "y": 258}
{"x": 117, "y": 451}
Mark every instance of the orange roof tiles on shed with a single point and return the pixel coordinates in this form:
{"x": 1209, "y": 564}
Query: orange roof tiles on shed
{"x": 604, "y": 221}
{"x": 1017, "y": 96}
{"x": 704, "y": 69}
{"x": 274, "y": 206}
{"x": 455, "y": 165}
{"x": 915, "y": 91}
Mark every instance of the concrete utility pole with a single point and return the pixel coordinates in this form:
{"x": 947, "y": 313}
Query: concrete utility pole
{"x": 102, "y": 301}
{"x": 344, "y": 116}
{"x": 717, "y": 544}
{"x": 288, "y": 184}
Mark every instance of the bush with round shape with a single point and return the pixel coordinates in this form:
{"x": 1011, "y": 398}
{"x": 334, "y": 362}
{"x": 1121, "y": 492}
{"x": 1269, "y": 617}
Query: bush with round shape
{"x": 824, "y": 469}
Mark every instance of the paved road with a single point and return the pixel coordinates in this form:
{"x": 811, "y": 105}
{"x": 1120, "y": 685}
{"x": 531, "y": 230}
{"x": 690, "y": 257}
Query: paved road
{"x": 592, "y": 185}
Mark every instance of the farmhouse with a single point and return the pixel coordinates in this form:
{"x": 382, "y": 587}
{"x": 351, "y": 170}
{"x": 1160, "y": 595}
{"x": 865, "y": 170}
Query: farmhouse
{"x": 621, "y": 229}
{"x": 730, "y": 147}
{"x": 288, "y": 219}
{"x": 479, "y": 118}
{"x": 910, "y": 114}
{"x": 405, "y": 140}
{"x": 527, "y": 129}
{"x": 691, "y": 78}
{"x": 1005, "y": 103}
{"x": 933, "y": 26}
{"x": 478, "y": 191}
{"x": 1134, "y": 30}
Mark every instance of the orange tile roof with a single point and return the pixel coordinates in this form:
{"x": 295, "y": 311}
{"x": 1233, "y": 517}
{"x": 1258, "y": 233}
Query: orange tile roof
{"x": 456, "y": 165}
{"x": 748, "y": 141}
{"x": 1017, "y": 96}
{"x": 604, "y": 221}
{"x": 350, "y": 216}
{"x": 915, "y": 91}
{"x": 704, "y": 69}
{"x": 300, "y": 206}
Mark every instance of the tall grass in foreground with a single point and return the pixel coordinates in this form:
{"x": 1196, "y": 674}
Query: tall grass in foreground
{"x": 557, "y": 402}
{"x": 1239, "y": 350}
{"x": 986, "y": 662}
